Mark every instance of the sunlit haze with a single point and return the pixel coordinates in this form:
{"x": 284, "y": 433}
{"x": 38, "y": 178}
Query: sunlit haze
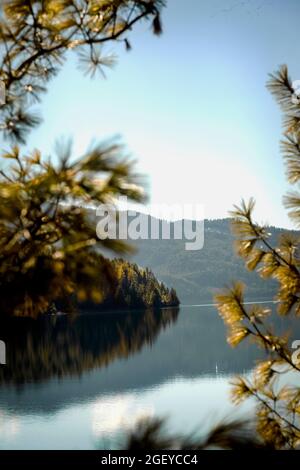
{"x": 191, "y": 105}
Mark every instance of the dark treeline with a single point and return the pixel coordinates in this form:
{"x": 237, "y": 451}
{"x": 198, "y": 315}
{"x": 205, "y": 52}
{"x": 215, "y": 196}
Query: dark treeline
{"x": 135, "y": 287}
{"x": 130, "y": 287}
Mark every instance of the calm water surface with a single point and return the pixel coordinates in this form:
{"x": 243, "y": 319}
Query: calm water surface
{"x": 80, "y": 383}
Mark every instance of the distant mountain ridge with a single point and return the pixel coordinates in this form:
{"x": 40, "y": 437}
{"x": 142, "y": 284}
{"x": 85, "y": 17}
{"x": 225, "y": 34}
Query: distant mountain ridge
{"x": 196, "y": 275}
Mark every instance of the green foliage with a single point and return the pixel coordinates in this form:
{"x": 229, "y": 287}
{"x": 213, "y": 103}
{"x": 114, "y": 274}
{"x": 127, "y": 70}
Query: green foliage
{"x": 139, "y": 287}
{"x": 47, "y": 242}
{"x": 36, "y": 35}
{"x": 278, "y": 402}
{"x": 135, "y": 287}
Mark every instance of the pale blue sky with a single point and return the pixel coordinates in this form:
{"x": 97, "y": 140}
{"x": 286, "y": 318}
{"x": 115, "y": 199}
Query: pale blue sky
{"x": 192, "y": 105}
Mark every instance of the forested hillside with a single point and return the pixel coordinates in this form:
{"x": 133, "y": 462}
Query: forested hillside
{"x": 133, "y": 287}
{"x": 197, "y": 274}
{"x": 138, "y": 287}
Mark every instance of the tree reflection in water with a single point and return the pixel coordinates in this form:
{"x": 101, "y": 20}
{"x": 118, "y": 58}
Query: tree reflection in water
{"x": 59, "y": 346}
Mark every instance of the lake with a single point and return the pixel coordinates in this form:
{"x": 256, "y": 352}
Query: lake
{"x": 82, "y": 382}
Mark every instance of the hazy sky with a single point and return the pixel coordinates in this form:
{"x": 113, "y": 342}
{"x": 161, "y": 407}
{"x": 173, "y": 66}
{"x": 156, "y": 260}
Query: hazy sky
{"x": 192, "y": 105}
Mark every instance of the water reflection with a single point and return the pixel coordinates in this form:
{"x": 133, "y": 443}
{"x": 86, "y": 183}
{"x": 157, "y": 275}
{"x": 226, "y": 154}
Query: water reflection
{"x": 58, "y": 346}
{"x": 57, "y": 361}
{"x": 73, "y": 383}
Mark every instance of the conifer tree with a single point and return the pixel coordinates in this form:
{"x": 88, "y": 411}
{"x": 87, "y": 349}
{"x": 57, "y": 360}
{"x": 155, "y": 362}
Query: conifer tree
{"x": 277, "y": 397}
{"x": 36, "y": 35}
{"x": 48, "y": 245}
